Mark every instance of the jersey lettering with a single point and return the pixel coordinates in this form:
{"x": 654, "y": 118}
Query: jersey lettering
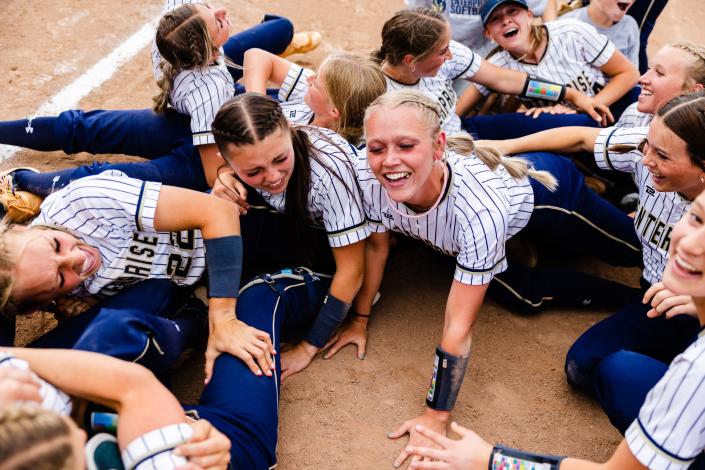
{"x": 653, "y": 229}
{"x": 465, "y": 7}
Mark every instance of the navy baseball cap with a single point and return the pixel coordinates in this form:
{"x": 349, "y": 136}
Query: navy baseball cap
{"x": 491, "y": 5}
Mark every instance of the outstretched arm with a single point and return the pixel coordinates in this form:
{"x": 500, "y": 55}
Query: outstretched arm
{"x": 463, "y": 306}
{"x": 261, "y": 67}
{"x": 349, "y": 270}
{"x": 144, "y": 404}
{"x": 559, "y": 140}
{"x": 471, "y": 452}
{"x": 355, "y": 331}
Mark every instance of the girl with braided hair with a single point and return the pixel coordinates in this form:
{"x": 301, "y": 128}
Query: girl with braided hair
{"x": 303, "y": 209}
{"x": 466, "y": 201}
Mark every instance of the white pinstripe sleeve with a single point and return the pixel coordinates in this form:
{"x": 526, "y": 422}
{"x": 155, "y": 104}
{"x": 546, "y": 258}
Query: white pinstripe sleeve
{"x": 154, "y": 450}
{"x": 611, "y": 160}
{"x": 464, "y": 64}
{"x": 669, "y": 432}
{"x": 52, "y": 398}
{"x": 100, "y": 203}
{"x": 292, "y": 92}
{"x": 207, "y": 94}
{"x": 336, "y": 194}
{"x": 481, "y": 235}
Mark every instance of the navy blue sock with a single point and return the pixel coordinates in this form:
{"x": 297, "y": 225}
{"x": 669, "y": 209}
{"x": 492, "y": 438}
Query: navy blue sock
{"x": 37, "y": 133}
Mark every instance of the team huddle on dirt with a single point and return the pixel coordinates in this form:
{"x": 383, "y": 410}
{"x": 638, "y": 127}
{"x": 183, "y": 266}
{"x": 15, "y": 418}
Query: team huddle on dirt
{"x": 488, "y": 133}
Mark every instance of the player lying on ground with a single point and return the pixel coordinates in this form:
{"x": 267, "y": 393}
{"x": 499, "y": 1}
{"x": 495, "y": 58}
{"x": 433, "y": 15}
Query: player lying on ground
{"x": 467, "y": 202}
{"x": 417, "y": 53}
{"x": 37, "y": 432}
{"x": 569, "y": 51}
{"x": 192, "y": 50}
{"x": 667, "y": 160}
{"x": 101, "y": 235}
{"x": 668, "y": 431}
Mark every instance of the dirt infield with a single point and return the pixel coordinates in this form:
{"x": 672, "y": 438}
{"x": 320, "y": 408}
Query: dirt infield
{"x": 337, "y": 412}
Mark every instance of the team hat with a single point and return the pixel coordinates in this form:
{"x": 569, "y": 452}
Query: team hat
{"x": 491, "y": 5}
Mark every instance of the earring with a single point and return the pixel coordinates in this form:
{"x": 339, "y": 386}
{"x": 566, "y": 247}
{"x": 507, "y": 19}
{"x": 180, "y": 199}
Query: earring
{"x": 702, "y": 179}
{"x": 413, "y": 68}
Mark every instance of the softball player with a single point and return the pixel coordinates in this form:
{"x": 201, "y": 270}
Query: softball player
{"x": 665, "y": 160}
{"x": 582, "y": 59}
{"x": 668, "y": 431}
{"x": 301, "y": 190}
{"x": 467, "y": 202}
{"x": 417, "y": 53}
{"x": 103, "y": 234}
{"x": 464, "y": 19}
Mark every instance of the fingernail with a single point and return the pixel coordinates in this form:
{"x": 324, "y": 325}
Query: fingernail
{"x": 389, "y": 434}
{"x": 325, "y": 358}
{"x": 259, "y": 372}
{"x": 177, "y": 451}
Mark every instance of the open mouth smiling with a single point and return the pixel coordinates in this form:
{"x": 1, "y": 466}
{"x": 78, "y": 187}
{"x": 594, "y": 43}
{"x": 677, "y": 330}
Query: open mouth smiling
{"x": 510, "y": 33}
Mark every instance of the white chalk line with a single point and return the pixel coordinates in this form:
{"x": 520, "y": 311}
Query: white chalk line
{"x": 94, "y": 77}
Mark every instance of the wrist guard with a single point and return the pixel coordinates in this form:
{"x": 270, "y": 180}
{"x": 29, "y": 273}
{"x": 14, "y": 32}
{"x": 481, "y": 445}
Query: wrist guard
{"x": 224, "y": 265}
{"x": 330, "y": 316}
{"x": 538, "y": 88}
{"x": 448, "y": 374}
{"x": 506, "y": 458}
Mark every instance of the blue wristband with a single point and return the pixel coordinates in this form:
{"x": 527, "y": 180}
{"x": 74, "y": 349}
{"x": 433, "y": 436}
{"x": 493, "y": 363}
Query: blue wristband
{"x": 330, "y": 316}
{"x": 448, "y": 373}
{"x": 224, "y": 264}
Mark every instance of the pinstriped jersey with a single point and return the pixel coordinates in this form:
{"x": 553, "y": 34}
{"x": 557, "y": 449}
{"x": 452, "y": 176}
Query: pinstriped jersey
{"x": 632, "y": 117}
{"x": 574, "y": 54}
{"x": 480, "y": 209}
{"x": 334, "y": 199}
{"x": 115, "y": 215}
{"x": 52, "y": 398}
{"x": 198, "y": 92}
{"x": 657, "y": 212}
{"x": 154, "y": 450}
{"x": 464, "y": 64}
{"x": 291, "y": 95}
{"x": 669, "y": 432}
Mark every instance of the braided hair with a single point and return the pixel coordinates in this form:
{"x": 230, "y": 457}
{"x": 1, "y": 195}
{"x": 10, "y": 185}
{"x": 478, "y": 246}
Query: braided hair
{"x": 184, "y": 43}
{"x": 696, "y": 70}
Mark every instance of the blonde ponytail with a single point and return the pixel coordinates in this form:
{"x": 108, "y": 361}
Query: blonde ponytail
{"x": 517, "y": 167}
